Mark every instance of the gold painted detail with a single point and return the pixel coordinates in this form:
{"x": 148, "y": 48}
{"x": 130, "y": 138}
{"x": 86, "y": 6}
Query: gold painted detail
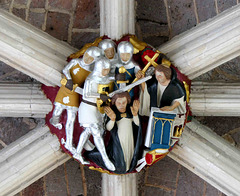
{"x": 186, "y": 86}
{"x": 163, "y": 119}
{"x": 84, "y": 48}
{"x": 64, "y": 82}
{"x": 129, "y": 73}
{"x": 154, "y": 154}
{"x": 111, "y": 86}
{"x": 78, "y": 74}
{"x": 121, "y": 82}
{"x": 137, "y": 44}
{"x": 99, "y": 169}
{"x": 135, "y": 50}
{"x": 123, "y": 115}
{"x": 103, "y": 88}
{"x": 166, "y": 62}
{"x": 178, "y": 132}
{"x": 99, "y": 106}
{"x": 151, "y": 61}
{"x": 122, "y": 69}
{"x": 67, "y": 97}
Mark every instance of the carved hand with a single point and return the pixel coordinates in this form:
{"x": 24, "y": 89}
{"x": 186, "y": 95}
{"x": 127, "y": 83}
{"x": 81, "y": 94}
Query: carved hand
{"x": 170, "y": 108}
{"x": 110, "y": 113}
{"x": 139, "y": 74}
{"x": 135, "y": 107}
{"x": 167, "y": 108}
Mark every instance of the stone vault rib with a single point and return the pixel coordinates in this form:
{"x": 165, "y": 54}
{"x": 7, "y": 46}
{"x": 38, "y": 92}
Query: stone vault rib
{"x": 194, "y": 52}
{"x": 31, "y": 50}
{"x": 28, "y": 159}
{"x": 210, "y": 157}
{"x": 207, "y": 45}
{"x": 215, "y": 99}
{"x": 117, "y": 18}
{"x": 52, "y": 74}
{"x": 206, "y": 99}
{"x": 23, "y": 100}
{"x": 200, "y": 150}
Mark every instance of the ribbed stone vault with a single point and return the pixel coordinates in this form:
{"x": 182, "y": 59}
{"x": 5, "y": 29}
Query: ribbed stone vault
{"x": 200, "y": 150}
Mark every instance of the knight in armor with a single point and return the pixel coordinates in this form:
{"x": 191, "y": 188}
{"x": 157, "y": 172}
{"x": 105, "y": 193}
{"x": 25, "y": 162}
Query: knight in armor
{"x": 75, "y": 72}
{"x": 90, "y": 117}
{"x": 126, "y": 68}
{"x": 108, "y": 48}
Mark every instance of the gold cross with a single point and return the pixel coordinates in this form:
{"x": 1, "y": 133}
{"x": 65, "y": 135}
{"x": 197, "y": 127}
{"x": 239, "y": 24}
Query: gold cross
{"x": 151, "y": 61}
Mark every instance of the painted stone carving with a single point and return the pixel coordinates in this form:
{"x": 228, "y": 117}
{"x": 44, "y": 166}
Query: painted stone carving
{"x": 133, "y": 125}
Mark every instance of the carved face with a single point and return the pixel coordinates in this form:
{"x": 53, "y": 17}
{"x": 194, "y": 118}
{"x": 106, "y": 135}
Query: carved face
{"x": 109, "y": 53}
{"x": 87, "y": 58}
{"x": 105, "y": 72}
{"x": 161, "y": 78}
{"x": 125, "y": 56}
{"x": 121, "y": 104}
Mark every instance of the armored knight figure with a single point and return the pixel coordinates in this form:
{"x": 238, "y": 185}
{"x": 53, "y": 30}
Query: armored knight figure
{"x": 67, "y": 99}
{"x": 108, "y": 48}
{"x": 126, "y": 68}
{"x": 90, "y": 117}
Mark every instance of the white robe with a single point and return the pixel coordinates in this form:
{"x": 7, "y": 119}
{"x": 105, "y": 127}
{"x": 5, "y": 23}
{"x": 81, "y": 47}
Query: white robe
{"x": 144, "y": 99}
{"x": 125, "y": 136}
{"x": 145, "y": 110}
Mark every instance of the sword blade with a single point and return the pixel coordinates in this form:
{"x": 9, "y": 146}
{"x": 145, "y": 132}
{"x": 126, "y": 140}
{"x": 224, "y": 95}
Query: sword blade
{"x": 79, "y": 90}
{"x": 130, "y": 86}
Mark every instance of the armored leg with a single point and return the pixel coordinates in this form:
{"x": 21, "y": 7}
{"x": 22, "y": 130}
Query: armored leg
{"x": 98, "y": 140}
{"x": 56, "y": 116}
{"x": 89, "y": 146}
{"x": 71, "y": 116}
{"x": 82, "y": 140}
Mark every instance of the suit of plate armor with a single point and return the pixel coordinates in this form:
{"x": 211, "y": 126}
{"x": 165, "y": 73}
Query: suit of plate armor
{"x": 89, "y": 116}
{"x": 76, "y": 71}
{"x": 129, "y": 66}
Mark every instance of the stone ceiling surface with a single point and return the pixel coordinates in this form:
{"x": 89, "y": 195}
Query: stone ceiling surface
{"x": 77, "y": 22}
